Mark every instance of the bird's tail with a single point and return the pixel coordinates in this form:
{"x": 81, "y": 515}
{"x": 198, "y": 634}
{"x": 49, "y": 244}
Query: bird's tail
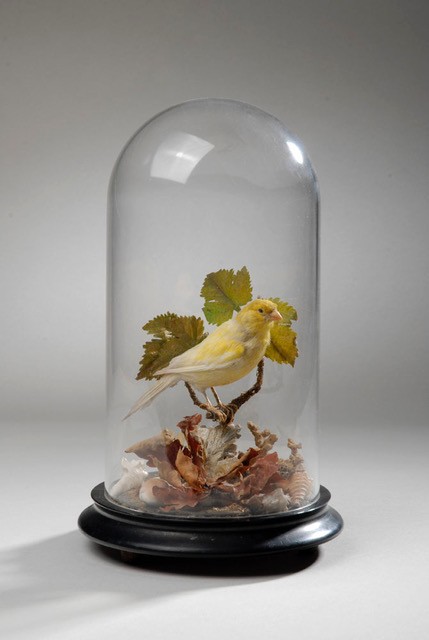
{"x": 166, "y": 381}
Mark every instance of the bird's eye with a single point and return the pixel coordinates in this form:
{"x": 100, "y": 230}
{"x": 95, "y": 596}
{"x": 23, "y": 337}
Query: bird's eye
{"x": 261, "y": 310}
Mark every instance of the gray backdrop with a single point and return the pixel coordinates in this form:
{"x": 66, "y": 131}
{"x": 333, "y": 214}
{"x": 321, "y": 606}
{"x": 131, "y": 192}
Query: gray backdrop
{"x": 350, "y": 78}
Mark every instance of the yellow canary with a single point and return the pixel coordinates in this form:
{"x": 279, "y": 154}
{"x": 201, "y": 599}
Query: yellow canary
{"x": 229, "y": 353}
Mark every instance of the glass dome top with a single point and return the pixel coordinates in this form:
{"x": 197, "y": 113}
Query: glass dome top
{"x": 213, "y": 316}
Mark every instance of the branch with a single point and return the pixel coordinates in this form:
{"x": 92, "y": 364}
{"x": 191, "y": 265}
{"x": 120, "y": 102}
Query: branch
{"x": 224, "y": 413}
{"x": 212, "y": 412}
{"x": 244, "y": 397}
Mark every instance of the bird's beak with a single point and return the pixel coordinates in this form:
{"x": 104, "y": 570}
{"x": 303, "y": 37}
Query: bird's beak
{"x": 275, "y": 316}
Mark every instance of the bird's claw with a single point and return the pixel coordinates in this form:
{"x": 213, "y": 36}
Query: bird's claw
{"x": 223, "y": 413}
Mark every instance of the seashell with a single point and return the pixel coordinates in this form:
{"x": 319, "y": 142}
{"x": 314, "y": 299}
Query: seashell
{"x": 133, "y": 474}
{"x": 299, "y": 487}
{"x": 276, "y": 501}
{"x": 146, "y": 493}
{"x": 151, "y": 446}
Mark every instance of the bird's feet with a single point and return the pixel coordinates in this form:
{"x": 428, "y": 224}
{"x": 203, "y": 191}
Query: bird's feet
{"x": 221, "y": 413}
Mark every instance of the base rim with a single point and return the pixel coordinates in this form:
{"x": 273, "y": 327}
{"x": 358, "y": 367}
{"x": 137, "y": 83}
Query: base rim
{"x": 114, "y": 527}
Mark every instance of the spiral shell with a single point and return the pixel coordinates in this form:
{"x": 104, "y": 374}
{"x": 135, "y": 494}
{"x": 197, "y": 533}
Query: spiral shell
{"x": 299, "y": 487}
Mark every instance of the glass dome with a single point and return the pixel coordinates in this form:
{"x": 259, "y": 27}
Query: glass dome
{"x": 213, "y": 317}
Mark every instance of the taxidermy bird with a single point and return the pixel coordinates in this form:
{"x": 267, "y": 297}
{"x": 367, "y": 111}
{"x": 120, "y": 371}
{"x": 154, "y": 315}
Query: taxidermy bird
{"x": 229, "y": 353}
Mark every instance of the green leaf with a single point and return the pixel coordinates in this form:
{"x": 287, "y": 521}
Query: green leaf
{"x": 282, "y": 348}
{"x": 224, "y": 292}
{"x": 173, "y": 335}
{"x": 288, "y": 312}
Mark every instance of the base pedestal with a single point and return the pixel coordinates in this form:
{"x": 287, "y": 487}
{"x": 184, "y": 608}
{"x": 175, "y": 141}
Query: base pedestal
{"x": 118, "y": 528}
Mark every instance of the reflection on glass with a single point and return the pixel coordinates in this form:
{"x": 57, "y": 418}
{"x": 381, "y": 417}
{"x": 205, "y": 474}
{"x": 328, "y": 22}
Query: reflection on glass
{"x": 296, "y": 152}
{"x": 178, "y": 155}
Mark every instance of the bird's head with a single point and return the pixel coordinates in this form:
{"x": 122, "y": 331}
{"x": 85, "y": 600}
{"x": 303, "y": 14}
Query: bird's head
{"x": 259, "y": 314}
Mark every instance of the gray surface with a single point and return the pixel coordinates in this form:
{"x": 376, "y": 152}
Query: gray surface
{"x": 350, "y": 79}
{"x": 370, "y": 582}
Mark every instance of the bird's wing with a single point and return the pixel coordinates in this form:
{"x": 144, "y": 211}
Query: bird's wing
{"x": 208, "y": 355}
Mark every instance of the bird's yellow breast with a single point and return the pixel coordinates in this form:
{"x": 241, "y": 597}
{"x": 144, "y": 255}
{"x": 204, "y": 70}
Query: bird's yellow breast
{"x": 225, "y": 356}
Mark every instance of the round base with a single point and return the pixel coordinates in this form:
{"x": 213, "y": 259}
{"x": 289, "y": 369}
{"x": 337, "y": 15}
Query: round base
{"x": 113, "y": 526}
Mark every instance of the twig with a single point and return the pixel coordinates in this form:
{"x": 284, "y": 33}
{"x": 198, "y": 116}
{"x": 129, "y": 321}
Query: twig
{"x": 224, "y": 413}
{"x": 244, "y": 397}
{"x": 212, "y": 412}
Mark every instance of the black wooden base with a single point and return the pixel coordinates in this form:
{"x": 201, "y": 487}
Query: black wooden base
{"x": 118, "y": 528}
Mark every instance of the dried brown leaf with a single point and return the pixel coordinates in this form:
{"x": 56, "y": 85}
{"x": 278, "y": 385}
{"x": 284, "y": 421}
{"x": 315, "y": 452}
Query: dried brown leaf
{"x": 190, "y": 430}
{"x": 190, "y": 423}
{"x": 238, "y": 468}
{"x": 176, "y": 498}
{"x": 172, "y": 450}
{"x": 169, "y": 473}
{"x": 261, "y": 468}
{"x": 189, "y": 471}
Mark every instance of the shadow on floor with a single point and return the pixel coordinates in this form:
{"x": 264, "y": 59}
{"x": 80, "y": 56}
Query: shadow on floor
{"x": 279, "y": 564}
{"x": 56, "y": 581}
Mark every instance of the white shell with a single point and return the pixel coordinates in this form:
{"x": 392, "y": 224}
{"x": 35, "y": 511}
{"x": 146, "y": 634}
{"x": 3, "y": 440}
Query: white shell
{"x": 133, "y": 474}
